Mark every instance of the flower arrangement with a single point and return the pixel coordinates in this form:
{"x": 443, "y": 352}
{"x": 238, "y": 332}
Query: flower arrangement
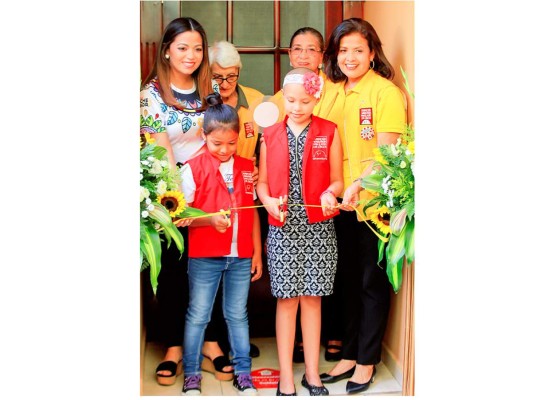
{"x": 393, "y": 182}
{"x": 161, "y": 203}
{"x": 313, "y": 84}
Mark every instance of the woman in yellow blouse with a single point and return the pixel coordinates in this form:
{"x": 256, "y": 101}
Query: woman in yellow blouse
{"x": 369, "y": 111}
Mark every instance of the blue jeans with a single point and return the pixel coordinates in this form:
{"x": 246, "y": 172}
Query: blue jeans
{"x": 204, "y": 278}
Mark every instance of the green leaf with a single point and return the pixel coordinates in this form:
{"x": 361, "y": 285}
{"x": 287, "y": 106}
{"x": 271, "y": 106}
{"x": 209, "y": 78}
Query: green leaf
{"x": 406, "y": 83}
{"x": 396, "y": 247}
{"x": 370, "y": 203}
{"x": 373, "y": 182}
{"x": 191, "y": 212}
{"x": 159, "y": 152}
{"x": 410, "y": 241}
{"x": 151, "y": 248}
{"x": 394, "y": 272}
{"x": 381, "y": 247}
{"x": 161, "y": 215}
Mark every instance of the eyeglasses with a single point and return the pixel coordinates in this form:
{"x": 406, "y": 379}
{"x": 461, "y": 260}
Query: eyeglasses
{"x": 229, "y": 79}
{"x": 311, "y": 51}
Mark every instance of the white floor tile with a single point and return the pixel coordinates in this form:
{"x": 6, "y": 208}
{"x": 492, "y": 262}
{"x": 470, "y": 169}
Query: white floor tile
{"x": 385, "y": 384}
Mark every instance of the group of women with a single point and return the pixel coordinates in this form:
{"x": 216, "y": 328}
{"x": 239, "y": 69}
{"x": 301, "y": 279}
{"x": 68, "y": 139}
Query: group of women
{"x": 368, "y": 109}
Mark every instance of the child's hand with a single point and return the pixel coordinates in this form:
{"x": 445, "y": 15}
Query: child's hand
{"x": 220, "y": 222}
{"x": 255, "y": 174}
{"x": 328, "y": 202}
{"x": 184, "y": 222}
{"x": 273, "y": 208}
{"x": 257, "y": 267}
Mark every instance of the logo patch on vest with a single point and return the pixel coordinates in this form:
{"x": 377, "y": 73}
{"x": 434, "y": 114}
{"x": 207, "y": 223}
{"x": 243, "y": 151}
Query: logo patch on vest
{"x": 249, "y": 129}
{"x": 367, "y": 133}
{"x": 319, "y": 148}
{"x": 248, "y": 182}
{"x": 365, "y": 116}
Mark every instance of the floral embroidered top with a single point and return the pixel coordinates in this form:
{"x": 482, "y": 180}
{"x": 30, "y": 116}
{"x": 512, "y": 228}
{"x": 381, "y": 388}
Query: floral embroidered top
{"x": 183, "y": 126}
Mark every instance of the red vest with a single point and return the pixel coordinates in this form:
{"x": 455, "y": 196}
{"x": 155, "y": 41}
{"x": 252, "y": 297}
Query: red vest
{"x": 212, "y": 195}
{"x": 315, "y": 170}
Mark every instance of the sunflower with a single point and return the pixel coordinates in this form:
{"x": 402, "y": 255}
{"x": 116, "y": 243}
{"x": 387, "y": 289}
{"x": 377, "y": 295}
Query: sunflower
{"x": 411, "y": 147}
{"x": 146, "y": 139}
{"x": 173, "y": 201}
{"x": 381, "y": 218}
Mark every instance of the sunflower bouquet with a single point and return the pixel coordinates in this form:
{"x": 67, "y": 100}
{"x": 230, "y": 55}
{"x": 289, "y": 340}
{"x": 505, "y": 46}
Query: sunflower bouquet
{"x": 393, "y": 182}
{"x": 161, "y": 204}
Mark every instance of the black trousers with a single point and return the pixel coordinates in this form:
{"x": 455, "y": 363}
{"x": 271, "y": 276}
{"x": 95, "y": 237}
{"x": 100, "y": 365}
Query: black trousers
{"x": 173, "y": 298}
{"x": 357, "y": 311}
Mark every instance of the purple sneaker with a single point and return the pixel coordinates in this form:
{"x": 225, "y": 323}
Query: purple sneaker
{"x": 243, "y": 383}
{"x": 191, "y": 385}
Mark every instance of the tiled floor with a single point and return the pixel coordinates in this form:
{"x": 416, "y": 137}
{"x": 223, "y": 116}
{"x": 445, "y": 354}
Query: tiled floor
{"x": 384, "y": 385}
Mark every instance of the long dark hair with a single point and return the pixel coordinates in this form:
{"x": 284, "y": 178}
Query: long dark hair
{"x": 352, "y": 25}
{"x": 219, "y": 115}
{"x": 161, "y": 68}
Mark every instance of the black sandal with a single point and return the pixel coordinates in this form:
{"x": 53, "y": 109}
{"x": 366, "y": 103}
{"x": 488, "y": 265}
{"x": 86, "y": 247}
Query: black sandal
{"x": 175, "y": 370}
{"x": 216, "y": 367}
{"x": 335, "y": 355}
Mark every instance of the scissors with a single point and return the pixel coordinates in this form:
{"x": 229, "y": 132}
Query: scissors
{"x": 281, "y": 209}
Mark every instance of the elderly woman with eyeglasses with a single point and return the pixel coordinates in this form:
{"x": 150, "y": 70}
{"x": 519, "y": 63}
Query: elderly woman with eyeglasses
{"x": 225, "y": 63}
{"x": 306, "y": 49}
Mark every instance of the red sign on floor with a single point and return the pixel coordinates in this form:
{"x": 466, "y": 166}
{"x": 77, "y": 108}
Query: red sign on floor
{"x": 265, "y": 378}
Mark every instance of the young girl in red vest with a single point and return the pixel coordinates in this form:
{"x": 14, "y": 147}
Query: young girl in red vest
{"x": 300, "y": 163}
{"x": 221, "y": 247}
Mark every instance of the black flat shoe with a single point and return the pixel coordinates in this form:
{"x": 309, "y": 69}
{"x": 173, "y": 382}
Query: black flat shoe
{"x": 254, "y": 351}
{"x": 326, "y": 378}
{"x": 354, "y": 387}
{"x": 333, "y": 355}
{"x": 298, "y": 353}
{"x": 279, "y": 393}
{"x": 314, "y": 390}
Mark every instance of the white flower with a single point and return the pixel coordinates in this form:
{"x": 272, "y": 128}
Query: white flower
{"x": 144, "y": 214}
{"x": 144, "y": 193}
{"x": 150, "y": 158}
{"x": 156, "y": 168}
{"x": 150, "y": 207}
{"x": 141, "y": 177}
{"x": 161, "y": 187}
{"x": 164, "y": 163}
{"x": 394, "y": 150}
{"x": 144, "y": 162}
{"x": 148, "y": 200}
{"x": 403, "y": 164}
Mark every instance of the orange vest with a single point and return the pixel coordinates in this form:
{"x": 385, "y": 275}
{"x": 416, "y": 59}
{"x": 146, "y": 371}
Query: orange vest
{"x": 212, "y": 195}
{"x": 315, "y": 169}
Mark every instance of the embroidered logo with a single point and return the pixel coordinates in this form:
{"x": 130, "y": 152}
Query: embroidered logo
{"x": 249, "y": 129}
{"x": 365, "y": 116}
{"x": 367, "y": 133}
{"x": 319, "y": 148}
{"x": 248, "y": 182}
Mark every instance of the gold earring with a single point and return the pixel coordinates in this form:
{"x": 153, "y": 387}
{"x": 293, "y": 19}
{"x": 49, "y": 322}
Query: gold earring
{"x": 372, "y": 64}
